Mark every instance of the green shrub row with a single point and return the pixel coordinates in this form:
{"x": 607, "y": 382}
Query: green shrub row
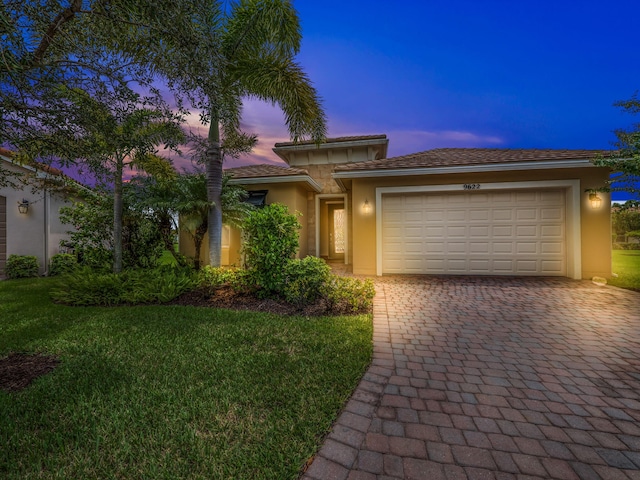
{"x": 85, "y": 287}
{"x": 305, "y": 281}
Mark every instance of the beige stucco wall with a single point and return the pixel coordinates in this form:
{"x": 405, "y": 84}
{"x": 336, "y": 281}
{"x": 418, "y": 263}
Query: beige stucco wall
{"x": 294, "y": 196}
{"x": 37, "y": 232}
{"x": 595, "y": 224}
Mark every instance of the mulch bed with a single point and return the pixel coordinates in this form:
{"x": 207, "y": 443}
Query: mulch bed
{"x": 233, "y": 300}
{"x": 18, "y": 370}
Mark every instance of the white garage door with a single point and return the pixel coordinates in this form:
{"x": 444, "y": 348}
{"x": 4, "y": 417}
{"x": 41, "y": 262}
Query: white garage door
{"x": 475, "y": 233}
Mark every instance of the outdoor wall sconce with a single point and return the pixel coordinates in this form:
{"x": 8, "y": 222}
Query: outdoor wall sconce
{"x": 595, "y": 200}
{"x": 23, "y": 206}
{"x": 366, "y": 208}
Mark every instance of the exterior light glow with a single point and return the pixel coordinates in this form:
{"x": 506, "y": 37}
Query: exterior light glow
{"x": 595, "y": 200}
{"x": 23, "y": 207}
{"x": 366, "y": 208}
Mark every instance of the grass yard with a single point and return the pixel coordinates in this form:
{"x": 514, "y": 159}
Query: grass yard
{"x": 171, "y": 392}
{"x": 626, "y": 263}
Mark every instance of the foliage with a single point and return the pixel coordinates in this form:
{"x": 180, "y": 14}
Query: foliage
{"x": 170, "y": 391}
{"x": 62, "y": 263}
{"x": 270, "y": 241}
{"x": 90, "y": 45}
{"x": 132, "y": 287}
{"x": 116, "y": 129}
{"x": 212, "y": 278}
{"x": 21, "y": 266}
{"x": 626, "y": 217}
{"x": 625, "y": 160}
{"x": 192, "y": 204}
{"x": 92, "y": 232}
{"x": 258, "y": 43}
{"x": 92, "y": 236}
{"x": 304, "y": 279}
{"x": 348, "y": 294}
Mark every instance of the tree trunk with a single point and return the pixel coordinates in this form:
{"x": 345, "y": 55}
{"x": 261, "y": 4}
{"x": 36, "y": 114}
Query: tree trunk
{"x": 117, "y": 217}
{"x": 214, "y": 190}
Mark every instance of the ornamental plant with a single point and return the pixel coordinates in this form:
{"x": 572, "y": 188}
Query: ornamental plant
{"x": 270, "y": 241}
{"x": 21, "y": 266}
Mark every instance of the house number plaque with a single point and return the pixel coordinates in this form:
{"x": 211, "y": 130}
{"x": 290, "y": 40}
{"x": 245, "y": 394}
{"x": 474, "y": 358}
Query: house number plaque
{"x": 471, "y": 186}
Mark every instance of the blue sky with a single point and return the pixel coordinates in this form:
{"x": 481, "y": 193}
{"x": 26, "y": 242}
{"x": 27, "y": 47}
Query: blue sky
{"x": 458, "y": 73}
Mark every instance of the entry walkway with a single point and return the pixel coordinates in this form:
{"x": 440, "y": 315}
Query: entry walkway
{"x": 494, "y": 378}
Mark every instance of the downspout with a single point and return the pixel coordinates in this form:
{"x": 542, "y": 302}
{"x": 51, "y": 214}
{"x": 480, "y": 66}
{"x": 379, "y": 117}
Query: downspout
{"x": 46, "y": 233}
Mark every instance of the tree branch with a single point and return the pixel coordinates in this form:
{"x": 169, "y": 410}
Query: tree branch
{"x": 63, "y": 17}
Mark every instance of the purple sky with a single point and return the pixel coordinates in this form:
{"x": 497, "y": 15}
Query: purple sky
{"x": 465, "y": 73}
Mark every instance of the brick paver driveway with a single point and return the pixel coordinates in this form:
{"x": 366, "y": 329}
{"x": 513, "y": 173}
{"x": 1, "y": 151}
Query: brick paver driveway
{"x": 494, "y": 378}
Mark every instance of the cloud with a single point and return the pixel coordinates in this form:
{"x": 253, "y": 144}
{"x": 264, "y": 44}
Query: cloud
{"x": 403, "y": 142}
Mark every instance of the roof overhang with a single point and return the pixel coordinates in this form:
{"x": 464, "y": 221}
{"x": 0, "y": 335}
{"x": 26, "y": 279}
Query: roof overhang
{"x": 379, "y": 141}
{"x": 309, "y": 182}
{"x": 491, "y": 167}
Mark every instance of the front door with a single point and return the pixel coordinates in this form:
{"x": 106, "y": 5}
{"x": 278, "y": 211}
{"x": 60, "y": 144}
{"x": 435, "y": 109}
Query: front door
{"x": 337, "y": 225}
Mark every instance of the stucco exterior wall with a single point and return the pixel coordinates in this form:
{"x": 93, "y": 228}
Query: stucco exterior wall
{"x": 595, "y": 225}
{"x": 292, "y": 195}
{"x": 39, "y": 231}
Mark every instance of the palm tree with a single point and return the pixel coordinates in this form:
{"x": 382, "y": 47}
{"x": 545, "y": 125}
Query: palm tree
{"x": 259, "y": 40}
{"x": 191, "y": 203}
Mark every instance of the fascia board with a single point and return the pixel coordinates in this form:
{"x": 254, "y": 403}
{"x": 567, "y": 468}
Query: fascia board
{"x": 497, "y": 167}
{"x": 282, "y": 179}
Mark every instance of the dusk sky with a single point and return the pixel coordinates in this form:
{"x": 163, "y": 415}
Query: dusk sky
{"x": 465, "y": 73}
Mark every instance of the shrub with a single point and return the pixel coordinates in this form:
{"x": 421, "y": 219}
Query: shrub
{"x": 214, "y": 277}
{"x": 348, "y": 294}
{"x": 304, "y": 279}
{"x": 62, "y": 263}
{"x": 271, "y": 240}
{"x": 21, "y": 266}
{"x": 85, "y": 287}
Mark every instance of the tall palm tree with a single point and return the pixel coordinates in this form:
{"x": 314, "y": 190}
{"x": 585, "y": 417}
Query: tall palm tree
{"x": 259, "y": 41}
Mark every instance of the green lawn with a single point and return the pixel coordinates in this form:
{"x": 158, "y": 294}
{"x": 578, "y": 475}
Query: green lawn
{"x": 626, "y": 264}
{"x": 171, "y": 392}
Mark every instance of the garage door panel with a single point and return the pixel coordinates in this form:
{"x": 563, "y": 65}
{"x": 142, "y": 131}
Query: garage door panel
{"x": 503, "y": 247}
{"x": 503, "y": 214}
{"x": 479, "y": 231}
{"x": 527, "y": 247}
{"x": 456, "y": 215}
{"x": 456, "y": 247}
{"x": 479, "y": 215}
{"x": 499, "y": 233}
{"x": 479, "y": 247}
{"x": 502, "y": 231}
{"x": 552, "y": 267}
{"x": 457, "y": 231}
{"x": 526, "y": 231}
{"x": 434, "y": 232}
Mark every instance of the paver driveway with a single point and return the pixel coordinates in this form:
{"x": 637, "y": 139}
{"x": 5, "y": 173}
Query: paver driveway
{"x": 494, "y": 378}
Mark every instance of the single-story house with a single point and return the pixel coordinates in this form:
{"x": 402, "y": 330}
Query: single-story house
{"x": 29, "y": 220}
{"x": 448, "y": 211}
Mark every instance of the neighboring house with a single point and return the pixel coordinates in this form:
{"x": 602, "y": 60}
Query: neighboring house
{"x": 450, "y": 211}
{"x": 38, "y": 231}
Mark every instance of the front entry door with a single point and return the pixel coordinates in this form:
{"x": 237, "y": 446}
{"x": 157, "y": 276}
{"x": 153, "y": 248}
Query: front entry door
{"x": 336, "y": 232}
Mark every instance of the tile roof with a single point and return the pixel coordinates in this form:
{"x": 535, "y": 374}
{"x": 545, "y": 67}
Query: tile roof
{"x": 333, "y": 140}
{"x": 264, "y": 170}
{"x": 449, "y": 157}
{"x": 6, "y": 153}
